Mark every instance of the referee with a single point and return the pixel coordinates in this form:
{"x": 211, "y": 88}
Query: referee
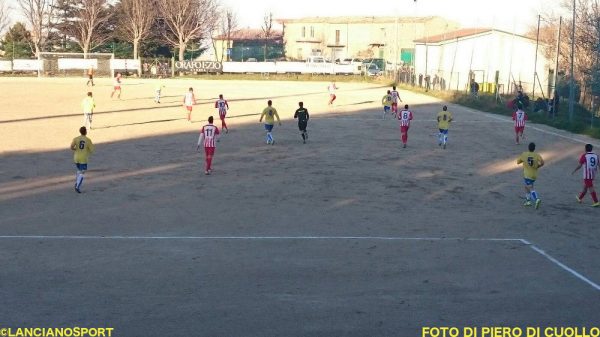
{"x": 302, "y": 115}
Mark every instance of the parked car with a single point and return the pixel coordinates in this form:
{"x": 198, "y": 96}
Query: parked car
{"x": 373, "y": 70}
{"x": 378, "y": 61}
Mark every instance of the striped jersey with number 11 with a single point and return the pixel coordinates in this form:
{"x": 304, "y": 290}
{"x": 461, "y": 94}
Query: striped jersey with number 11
{"x": 589, "y": 162}
{"x": 405, "y": 116}
{"x": 209, "y": 133}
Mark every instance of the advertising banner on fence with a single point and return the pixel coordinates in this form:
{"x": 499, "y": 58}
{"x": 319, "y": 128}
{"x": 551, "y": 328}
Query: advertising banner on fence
{"x": 33, "y": 65}
{"x": 199, "y": 66}
{"x": 5, "y": 66}
{"x": 125, "y": 64}
{"x": 68, "y": 64}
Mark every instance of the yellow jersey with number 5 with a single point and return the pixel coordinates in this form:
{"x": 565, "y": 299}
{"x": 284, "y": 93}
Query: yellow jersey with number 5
{"x": 83, "y": 147}
{"x": 531, "y": 162}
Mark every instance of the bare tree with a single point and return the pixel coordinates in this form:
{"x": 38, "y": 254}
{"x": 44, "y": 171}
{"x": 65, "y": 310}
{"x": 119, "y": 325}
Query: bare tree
{"x": 135, "y": 21}
{"x": 4, "y": 20}
{"x": 39, "y": 14}
{"x": 85, "y": 21}
{"x": 187, "y": 20}
{"x": 267, "y": 29}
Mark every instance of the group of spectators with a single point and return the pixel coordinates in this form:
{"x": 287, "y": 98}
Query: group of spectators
{"x": 407, "y": 75}
{"x": 155, "y": 69}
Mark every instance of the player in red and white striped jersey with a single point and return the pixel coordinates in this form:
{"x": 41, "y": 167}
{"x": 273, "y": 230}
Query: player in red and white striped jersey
{"x": 589, "y": 162}
{"x": 189, "y": 100}
{"x": 405, "y": 116}
{"x": 519, "y": 117}
{"x": 395, "y": 98}
{"x": 222, "y": 105}
{"x": 116, "y": 86}
{"x": 208, "y": 136}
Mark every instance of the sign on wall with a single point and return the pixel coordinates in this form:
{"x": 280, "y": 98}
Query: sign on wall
{"x": 198, "y": 66}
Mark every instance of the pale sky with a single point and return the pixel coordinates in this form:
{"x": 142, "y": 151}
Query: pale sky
{"x": 507, "y": 15}
{"x": 501, "y": 14}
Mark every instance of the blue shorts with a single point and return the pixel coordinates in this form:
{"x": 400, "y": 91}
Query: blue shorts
{"x": 386, "y": 108}
{"x": 81, "y": 167}
{"x": 444, "y": 132}
{"x": 269, "y": 127}
{"x": 529, "y": 182}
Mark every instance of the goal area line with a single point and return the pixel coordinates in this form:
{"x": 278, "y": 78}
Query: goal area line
{"x": 524, "y": 242}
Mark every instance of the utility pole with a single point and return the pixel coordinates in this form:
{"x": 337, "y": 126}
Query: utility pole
{"x": 556, "y": 69}
{"x": 572, "y": 85}
{"x": 537, "y": 41}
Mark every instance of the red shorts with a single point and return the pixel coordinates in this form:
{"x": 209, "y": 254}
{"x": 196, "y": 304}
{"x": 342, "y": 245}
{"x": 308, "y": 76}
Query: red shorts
{"x": 209, "y": 151}
{"x": 588, "y": 183}
{"x": 519, "y": 129}
{"x": 117, "y": 87}
{"x": 404, "y": 129}
{"x": 395, "y": 107}
{"x": 188, "y": 107}
{"x": 222, "y": 115}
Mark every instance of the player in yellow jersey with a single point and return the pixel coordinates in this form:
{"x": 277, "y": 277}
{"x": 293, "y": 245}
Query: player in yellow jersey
{"x": 88, "y": 106}
{"x": 387, "y": 101}
{"x": 82, "y": 147}
{"x": 444, "y": 118}
{"x": 269, "y": 113}
{"x": 531, "y": 163}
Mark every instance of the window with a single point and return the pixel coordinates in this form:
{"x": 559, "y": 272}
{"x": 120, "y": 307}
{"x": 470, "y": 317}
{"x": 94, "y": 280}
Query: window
{"x": 312, "y": 31}
{"x": 303, "y": 31}
{"x": 337, "y": 37}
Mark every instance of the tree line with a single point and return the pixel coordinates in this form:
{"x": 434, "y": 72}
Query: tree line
{"x": 127, "y": 28}
{"x": 587, "y": 48}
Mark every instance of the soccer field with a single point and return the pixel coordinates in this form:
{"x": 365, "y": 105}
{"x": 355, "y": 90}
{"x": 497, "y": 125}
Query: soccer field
{"x": 347, "y": 235}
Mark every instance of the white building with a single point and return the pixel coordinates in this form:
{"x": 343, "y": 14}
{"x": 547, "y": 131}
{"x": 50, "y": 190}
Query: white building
{"x": 486, "y": 54}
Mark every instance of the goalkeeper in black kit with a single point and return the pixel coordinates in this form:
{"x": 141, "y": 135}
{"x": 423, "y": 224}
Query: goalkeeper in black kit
{"x": 302, "y": 115}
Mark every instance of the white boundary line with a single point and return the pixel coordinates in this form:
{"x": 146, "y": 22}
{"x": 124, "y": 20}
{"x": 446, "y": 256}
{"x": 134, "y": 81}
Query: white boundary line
{"x": 378, "y": 238}
{"x": 562, "y": 265}
{"x": 121, "y": 237}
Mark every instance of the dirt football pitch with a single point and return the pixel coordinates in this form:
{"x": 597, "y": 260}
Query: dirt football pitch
{"x": 347, "y": 235}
